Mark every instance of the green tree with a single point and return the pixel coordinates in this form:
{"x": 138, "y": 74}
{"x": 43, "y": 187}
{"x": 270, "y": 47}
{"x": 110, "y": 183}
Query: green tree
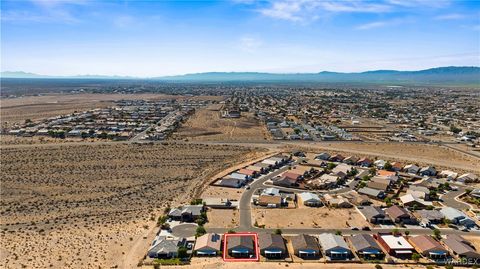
{"x": 455, "y": 129}
{"x": 407, "y": 232}
{"x": 278, "y": 231}
{"x": 200, "y": 231}
{"x": 388, "y": 166}
{"x": 378, "y": 266}
{"x": 330, "y": 166}
{"x": 437, "y": 233}
{"x": 416, "y": 257}
{"x": 338, "y": 232}
{"x": 182, "y": 252}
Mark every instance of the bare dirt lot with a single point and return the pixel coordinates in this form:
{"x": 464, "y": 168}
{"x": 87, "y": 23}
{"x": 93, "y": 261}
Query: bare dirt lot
{"x": 422, "y": 154}
{"x": 91, "y": 206}
{"x": 208, "y": 125}
{"x": 17, "y": 110}
{"x": 308, "y": 218}
{"x": 223, "y": 218}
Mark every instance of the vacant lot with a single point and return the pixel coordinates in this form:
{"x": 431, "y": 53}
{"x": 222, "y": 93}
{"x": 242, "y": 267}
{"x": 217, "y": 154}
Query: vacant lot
{"x": 207, "y": 125}
{"x": 89, "y": 206}
{"x": 223, "y": 218}
{"x": 422, "y": 154}
{"x": 308, "y": 218}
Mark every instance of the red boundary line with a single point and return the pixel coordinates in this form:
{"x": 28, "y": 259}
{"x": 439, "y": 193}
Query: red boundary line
{"x": 256, "y": 249}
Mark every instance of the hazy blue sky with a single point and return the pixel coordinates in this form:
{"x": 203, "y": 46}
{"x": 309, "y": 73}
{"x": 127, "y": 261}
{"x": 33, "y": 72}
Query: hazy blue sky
{"x": 153, "y": 38}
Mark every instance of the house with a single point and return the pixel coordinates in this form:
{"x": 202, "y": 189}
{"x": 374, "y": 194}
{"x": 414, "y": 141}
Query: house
{"x": 271, "y": 192}
{"x": 351, "y": 160}
{"x": 365, "y": 162}
{"x": 457, "y": 217}
{"x": 467, "y": 178}
{"x": 372, "y": 192}
{"x": 366, "y": 247}
{"x": 428, "y": 171}
{"x": 448, "y": 174}
{"x": 208, "y": 245}
{"x": 336, "y": 158}
{"x": 284, "y": 181}
{"x": 428, "y": 217}
{"x": 391, "y": 175}
{"x": 379, "y": 164}
{"x": 336, "y": 201}
{"x": 410, "y": 200}
{"x": 266, "y": 167}
{"x": 239, "y": 176}
{"x": 165, "y": 248}
{"x": 362, "y": 173}
{"x": 396, "y": 166}
{"x": 400, "y": 215}
{"x": 411, "y": 169}
{"x": 258, "y": 169}
{"x": 323, "y": 156}
{"x": 344, "y": 168}
{"x": 475, "y": 193}
{"x": 187, "y": 213}
{"x": 231, "y": 182}
{"x": 384, "y": 180}
{"x": 270, "y": 201}
{"x": 334, "y": 247}
{"x": 373, "y": 214}
{"x": 396, "y": 246}
{"x": 360, "y": 200}
{"x": 247, "y": 172}
{"x": 428, "y": 247}
{"x": 272, "y": 246}
{"x": 383, "y": 186}
{"x": 240, "y": 246}
{"x": 293, "y": 175}
{"x": 305, "y": 246}
{"x": 309, "y": 199}
{"x": 214, "y": 202}
{"x": 460, "y": 247}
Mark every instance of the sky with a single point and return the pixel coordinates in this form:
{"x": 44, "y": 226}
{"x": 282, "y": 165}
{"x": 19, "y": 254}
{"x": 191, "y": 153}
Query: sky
{"x": 158, "y": 38}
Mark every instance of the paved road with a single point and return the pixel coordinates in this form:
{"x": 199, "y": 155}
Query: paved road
{"x": 245, "y": 200}
{"x": 417, "y": 231}
{"x": 449, "y": 198}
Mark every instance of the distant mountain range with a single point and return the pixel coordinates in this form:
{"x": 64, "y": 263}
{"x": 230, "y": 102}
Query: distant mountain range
{"x": 448, "y": 76}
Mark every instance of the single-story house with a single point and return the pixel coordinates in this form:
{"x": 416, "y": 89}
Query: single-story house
{"x": 337, "y": 158}
{"x": 165, "y": 248}
{"x": 351, "y": 160}
{"x": 400, "y": 215}
{"x": 372, "y": 192}
{"x": 187, "y": 213}
{"x": 241, "y": 246}
{"x": 248, "y": 172}
{"x": 323, "y": 156}
{"x": 396, "y": 246}
{"x": 410, "y": 200}
{"x": 305, "y": 246}
{"x": 428, "y": 217}
{"x": 270, "y": 201}
{"x": 379, "y": 164}
{"x": 411, "y": 169}
{"x": 217, "y": 202}
{"x": 365, "y": 162}
{"x": 231, "y": 182}
{"x": 271, "y": 192}
{"x": 284, "y": 181}
{"x": 366, "y": 247}
{"x": 428, "y": 247}
{"x": 272, "y": 246}
{"x": 460, "y": 247}
{"x": 428, "y": 171}
{"x": 457, "y": 217}
{"x": 208, "y": 245}
{"x": 468, "y": 178}
{"x": 383, "y": 186}
{"x": 309, "y": 199}
{"x": 373, "y": 214}
{"x": 334, "y": 246}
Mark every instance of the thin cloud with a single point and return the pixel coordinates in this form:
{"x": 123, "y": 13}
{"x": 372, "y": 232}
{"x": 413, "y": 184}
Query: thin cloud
{"x": 452, "y": 16}
{"x": 379, "y": 24}
{"x": 249, "y": 44}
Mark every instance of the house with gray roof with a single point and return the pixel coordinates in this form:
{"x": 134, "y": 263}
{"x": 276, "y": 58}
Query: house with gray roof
{"x": 372, "y": 192}
{"x": 457, "y": 217}
{"x": 272, "y": 246}
{"x": 374, "y": 214}
{"x": 165, "y": 248}
{"x": 458, "y": 246}
{"x": 366, "y": 247}
{"x": 310, "y": 199}
{"x": 305, "y": 246}
{"x": 240, "y": 246}
{"x": 428, "y": 217}
{"x": 334, "y": 247}
{"x": 187, "y": 213}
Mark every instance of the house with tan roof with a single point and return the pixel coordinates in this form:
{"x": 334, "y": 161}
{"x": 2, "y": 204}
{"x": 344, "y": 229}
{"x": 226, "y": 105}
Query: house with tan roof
{"x": 428, "y": 247}
{"x": 208, "y": 245}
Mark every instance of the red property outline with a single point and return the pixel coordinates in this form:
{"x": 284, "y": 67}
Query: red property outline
{"x": 256, "y": 250}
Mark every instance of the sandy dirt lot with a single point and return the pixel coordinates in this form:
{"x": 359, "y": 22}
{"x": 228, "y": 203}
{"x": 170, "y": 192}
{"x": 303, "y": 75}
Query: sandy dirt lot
{"x": 222, "y": 192}
{"x": 223, "y": 218}
{"x": 207, "y": 125}
{"x": 17, "y": 110}
{"x": 308, "y": 218}
{"x": 214, "y": 263}
{"x": 91, "y": 206}
{"x": 404, "y": 152}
